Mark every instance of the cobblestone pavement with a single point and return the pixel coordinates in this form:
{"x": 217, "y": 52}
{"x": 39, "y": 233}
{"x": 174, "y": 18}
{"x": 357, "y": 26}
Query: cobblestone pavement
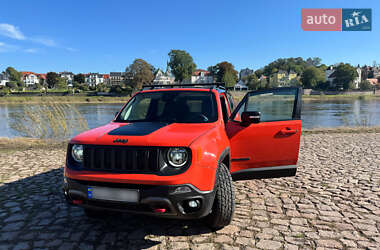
{"x": 333, "y": 202}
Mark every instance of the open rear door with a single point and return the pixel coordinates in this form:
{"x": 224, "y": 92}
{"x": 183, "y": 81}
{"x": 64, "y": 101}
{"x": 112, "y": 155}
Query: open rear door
{"x": 264, "y": 132}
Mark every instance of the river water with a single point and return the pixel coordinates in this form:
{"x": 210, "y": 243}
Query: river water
{"x": 315, "y": 114}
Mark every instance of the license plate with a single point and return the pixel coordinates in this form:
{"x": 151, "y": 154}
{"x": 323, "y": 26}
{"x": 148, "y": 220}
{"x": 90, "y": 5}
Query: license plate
{"x": 113, "y": 194}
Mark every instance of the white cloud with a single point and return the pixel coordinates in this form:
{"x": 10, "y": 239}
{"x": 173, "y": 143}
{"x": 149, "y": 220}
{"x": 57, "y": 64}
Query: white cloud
{"x": 71, "y": 49}
{"x": 7, "y": 47}
{"x": 44, "y": 41}
{"x": 11, "y": 31}
{"x": 14, "y": 32}
{"x": 32, "y": 50}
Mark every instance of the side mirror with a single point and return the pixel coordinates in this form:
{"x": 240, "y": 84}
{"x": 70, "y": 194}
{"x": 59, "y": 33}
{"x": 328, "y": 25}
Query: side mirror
{"x": 117, "y": 112}
{"x": 250, "y": 117}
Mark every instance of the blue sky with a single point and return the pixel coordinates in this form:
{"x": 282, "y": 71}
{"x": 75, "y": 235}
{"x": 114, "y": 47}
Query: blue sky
{"x": 104, "y": 36}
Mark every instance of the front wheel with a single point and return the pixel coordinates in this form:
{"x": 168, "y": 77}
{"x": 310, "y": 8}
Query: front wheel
{"x": 224, "y": 203}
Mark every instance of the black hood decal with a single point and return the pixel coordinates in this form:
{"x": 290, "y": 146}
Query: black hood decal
{"x": 138, "y": 128}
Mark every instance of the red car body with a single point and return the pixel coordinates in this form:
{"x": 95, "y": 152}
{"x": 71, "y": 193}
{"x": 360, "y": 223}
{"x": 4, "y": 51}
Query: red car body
{"x": 264, "y": 149}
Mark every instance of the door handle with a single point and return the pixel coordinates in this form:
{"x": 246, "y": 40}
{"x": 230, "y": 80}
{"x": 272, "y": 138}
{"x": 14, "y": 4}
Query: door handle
{"x": 288, "y": 131}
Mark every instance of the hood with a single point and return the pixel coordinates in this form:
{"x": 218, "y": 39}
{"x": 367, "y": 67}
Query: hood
{"x": 144, "y": 134}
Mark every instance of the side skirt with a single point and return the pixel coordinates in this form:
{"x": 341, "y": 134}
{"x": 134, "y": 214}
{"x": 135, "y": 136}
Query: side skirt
{"x": 265, "y": 173}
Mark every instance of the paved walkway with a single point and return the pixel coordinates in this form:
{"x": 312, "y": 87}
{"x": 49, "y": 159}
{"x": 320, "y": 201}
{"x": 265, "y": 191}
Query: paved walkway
{"x": 333, "y": 202}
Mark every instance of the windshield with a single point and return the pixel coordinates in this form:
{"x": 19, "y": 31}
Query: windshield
{"x": 171, "y": 106}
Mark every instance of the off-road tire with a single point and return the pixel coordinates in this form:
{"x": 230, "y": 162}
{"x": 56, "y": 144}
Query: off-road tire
{"x": 224, "y": 203}
{"x": 93, "y": 213}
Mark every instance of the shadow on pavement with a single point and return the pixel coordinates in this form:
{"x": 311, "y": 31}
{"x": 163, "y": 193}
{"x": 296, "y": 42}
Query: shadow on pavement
{"x": 34, "y": 213}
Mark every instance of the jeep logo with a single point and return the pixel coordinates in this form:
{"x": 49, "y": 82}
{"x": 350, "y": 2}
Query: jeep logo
{"x": 120, "y": 140}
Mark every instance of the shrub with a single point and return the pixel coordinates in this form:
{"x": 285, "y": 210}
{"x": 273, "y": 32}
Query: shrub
{"x": 11, "y": 84}
{"x": 365, "y": 85}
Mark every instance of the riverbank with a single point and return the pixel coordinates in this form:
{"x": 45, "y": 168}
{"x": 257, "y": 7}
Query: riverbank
{"x": 123, "y": 99}
{"x": 62, "y": 99}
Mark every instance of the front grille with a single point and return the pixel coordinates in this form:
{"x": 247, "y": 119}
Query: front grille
{"x": 123, "y": 159}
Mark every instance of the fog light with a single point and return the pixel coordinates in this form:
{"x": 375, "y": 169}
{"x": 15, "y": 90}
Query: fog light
{"x": 193, "y": 203}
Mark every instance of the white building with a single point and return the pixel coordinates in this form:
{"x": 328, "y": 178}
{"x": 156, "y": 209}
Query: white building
{"x": 69, "y": 76}
{"x": 162, "y": 78}
{"x": 357, "y": 80}
{"x": 93, "y": 79}
{"x": 3, "y": 79}
{"x": 202, "y": 76}
{"x": 240, "y": 85}
{"x": 116, "y": 78}
{"x": 30, "y": 78}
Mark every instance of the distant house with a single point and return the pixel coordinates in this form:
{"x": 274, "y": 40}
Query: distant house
{"x": 292, "y": 75}
{"x": 30, "y": 78}
{"x": 4, "y": 79}
{"x": 245, "y": 72}
{"x": 117, "y": 78}
{"x": 281, "y": 77}
{"x": 240, "y": 85}
{"x": 68, "y": 76}
{"x": 373, "y": 81}
{"x": 93, "y": 79}
{"x": 330, "y": 76}
{"x": 162, "y": 78}
{"x": 106, "y": 79}
{"x": 201, "y": 76}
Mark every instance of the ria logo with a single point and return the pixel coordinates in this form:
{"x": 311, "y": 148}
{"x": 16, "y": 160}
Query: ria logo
{"x": 356, "y": 19}
{"x": 120, "y": 140}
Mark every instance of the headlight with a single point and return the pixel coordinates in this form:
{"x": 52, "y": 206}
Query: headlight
{"x": 77, "y": 152}
{"x": 177, "y": 157}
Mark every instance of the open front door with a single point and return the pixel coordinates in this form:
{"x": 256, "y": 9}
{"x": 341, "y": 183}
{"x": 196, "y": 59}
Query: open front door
{"x": 264, "y": 133}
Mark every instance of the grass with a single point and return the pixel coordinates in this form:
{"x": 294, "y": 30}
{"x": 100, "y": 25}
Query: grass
{"x": 48, "y": 121}
{"x": 62, "y": 99}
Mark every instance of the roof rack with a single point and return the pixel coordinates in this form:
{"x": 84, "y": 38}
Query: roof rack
{"x": 196, "y": 85}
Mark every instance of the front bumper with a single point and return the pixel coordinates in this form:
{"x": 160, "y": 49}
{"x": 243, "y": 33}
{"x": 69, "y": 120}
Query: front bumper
{"x": 153, "y": 199}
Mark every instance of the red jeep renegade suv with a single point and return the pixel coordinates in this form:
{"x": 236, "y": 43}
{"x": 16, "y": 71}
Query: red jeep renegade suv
{"x": 174, "y": 150}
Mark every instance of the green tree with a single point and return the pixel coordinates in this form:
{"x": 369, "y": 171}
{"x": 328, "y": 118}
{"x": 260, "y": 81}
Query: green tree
{"x": 139, "y": 72}
{"x": 252, "y": 82}
{"x": 61, "y": 83}
{"x": 181, "y": 64}
{"x": 79, "y": 78}
{"x": 220, "y": 70}
{"x": 15, "y": 76}
{"x": 51, "y": 79}
{"x": 229, "y": 79}
{"x": 297, "y": 64}
{"x": 295, "y": 82}
{"x": 259, "y": 73}
{"x": 315, "y": 61}
{"x": 345, "y": 75}
{"x": 311, "y": 77}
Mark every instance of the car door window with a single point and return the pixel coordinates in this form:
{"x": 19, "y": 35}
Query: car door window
{"x": 274, "y": 105}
